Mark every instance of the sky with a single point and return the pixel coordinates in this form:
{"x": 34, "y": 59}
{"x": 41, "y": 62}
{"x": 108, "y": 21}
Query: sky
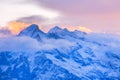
{"x": 92, "y": 15}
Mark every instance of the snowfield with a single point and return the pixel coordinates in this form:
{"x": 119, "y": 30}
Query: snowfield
{"x": 59, "y": 55}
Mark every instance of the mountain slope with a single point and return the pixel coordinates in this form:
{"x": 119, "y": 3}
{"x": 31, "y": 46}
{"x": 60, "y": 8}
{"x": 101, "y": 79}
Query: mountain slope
{"x": 57, "y": 33}
{"x": 33, "y": 31}
{"x": 62, "y": 56}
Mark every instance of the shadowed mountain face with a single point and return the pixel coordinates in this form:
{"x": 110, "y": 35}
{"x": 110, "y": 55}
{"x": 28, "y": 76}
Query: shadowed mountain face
{"x": 33, "y": 31}
{"x": 56, "y": 32}
{"x": 63, "y": 55}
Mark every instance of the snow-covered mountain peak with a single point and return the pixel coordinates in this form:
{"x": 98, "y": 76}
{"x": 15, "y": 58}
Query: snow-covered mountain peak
{"x": 79, "y": 33}
{"x": 34, "y": 26}
{"x": 32, "y": 31}
{"x": 31, "y": 28}
{"x": 63, "y": 55}
{"x": 55, "y": 29}
{"x": 65, "y": 30}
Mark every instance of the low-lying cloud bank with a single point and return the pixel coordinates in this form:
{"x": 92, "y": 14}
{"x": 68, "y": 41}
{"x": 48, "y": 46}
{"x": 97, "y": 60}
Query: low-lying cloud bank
{"x": 27, "y": 44}
{"x": 106, "y": 39}
{"x": 5, "y": 33}
{"x": 18, "y": 44}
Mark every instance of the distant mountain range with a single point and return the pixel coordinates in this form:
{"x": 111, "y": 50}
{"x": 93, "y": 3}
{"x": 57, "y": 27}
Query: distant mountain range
{"x": 63, "y": 55}
{"x": 56, "y": 32}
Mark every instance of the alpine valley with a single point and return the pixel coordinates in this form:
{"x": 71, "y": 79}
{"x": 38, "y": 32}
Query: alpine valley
{"x": 59, "y": 54}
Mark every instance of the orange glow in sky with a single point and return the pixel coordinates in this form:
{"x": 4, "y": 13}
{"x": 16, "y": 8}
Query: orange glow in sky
{"x": 80, "y": 28}
{"x": 84, "y": 29}
{"x": 16, "y": 27}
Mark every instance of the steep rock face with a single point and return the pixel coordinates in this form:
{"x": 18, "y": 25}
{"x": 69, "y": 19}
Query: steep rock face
{"x": 33, "y": 31}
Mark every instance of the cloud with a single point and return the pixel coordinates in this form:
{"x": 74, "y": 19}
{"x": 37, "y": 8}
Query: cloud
{"x": 82, "y": 6}
{"x": 27, "y": 44}
{"x": 15, "y": 9}
{"x": 38, "y": 20}
{"x": 110, "y": 40}
{"x": 98, "y": 15}
{"x": 5, "y": 33}
{"x": 99, "y": 43}
{"x": 58, "y": 43}
{"x": 31, "y": 19}
{"x": 18, "y": 44}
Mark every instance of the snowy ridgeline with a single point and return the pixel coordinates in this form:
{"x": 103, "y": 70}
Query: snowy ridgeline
{"x": 59, "y": 55}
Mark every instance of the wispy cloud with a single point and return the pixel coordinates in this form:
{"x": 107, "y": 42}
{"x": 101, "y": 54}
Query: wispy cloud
{"x": 5, "y": 32}
{"x": 14, "y": 9}
{"x": 100, "y": 16}
{"x": 31, "y": 45}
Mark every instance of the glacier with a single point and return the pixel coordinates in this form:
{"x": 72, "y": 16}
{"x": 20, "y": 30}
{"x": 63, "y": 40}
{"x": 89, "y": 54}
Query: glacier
{"x": 59, "y": 54}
